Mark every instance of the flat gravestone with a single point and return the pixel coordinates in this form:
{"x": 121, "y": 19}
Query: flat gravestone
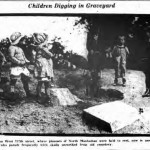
{"x": 63, "y": 97}
{"x": 115, "y": 115}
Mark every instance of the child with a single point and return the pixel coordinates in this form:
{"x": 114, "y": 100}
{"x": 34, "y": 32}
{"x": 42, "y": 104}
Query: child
{"x": 49, "y": 59}
{"x": 119, "y": 54}
{"x": 42, "y": 70}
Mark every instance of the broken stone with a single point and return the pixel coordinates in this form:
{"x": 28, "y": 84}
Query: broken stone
{"x": 136, "y": 127}
{"x": 145, "y": 117}
{"x": 115, "y": 115}
{"x": 62, "y": 97}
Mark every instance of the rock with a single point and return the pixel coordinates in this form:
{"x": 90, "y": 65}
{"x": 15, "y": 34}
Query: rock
{"x": 69, "y": 64}
{"x": 63, "y": 97}
{"x": 115, "y": 115}
{"x": 136, "y": 127}
{"x": 74, "y": 67}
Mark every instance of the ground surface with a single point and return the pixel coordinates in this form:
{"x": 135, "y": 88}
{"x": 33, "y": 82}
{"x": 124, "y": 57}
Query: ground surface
{"x": 28, "y": 116}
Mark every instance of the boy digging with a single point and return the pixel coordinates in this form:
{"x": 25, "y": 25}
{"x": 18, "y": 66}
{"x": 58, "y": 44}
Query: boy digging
{"x": 119, "y": 54}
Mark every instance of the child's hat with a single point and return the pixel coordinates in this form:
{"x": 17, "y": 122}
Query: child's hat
{"x": 15, "y": 38}
{"x": 39, "y": 38}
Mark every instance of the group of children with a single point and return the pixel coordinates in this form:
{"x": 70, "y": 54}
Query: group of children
{"x": 43, "y": 64}
{"x": 42, "y": 60}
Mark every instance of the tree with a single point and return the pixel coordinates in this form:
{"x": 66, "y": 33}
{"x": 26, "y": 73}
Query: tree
{"x": 108, "y": 27}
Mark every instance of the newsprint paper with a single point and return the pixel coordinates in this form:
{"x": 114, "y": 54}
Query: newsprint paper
{"x": 74, "y": 75}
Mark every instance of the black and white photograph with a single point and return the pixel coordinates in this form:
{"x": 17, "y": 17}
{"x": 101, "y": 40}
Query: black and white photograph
{"x": 75, "y": 74}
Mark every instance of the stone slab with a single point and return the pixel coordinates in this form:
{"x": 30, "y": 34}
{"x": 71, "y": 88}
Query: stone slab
{"x": 63, "y": 97}
{"x": 117, "y": 114}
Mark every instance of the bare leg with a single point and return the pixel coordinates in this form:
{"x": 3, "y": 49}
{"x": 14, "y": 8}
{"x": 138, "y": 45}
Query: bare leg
{"x": 46, "y": 87}
{"x": 117, "y": 70}
{"x": 6, "y": 89}
{"x": 25, "y": 81}
{"x": 52, "y": 82}
{"x": 123, "y": 71}
{"x": 39, "y": 88}
{"x": 12, "y": 85}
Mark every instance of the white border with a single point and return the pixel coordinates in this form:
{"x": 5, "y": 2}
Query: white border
{"x": 121, "y": 7}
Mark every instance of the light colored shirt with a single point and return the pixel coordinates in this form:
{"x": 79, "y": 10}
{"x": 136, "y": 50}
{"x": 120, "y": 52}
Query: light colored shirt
{"x": 17, "y": 55}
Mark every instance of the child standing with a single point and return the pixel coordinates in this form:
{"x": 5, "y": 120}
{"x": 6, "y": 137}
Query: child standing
{"x": 49, "y": 59}
{"x": 42, "y": 71}
{"x": 119, "y": 54}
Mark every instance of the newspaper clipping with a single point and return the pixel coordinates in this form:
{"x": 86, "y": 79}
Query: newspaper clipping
{"x": 74, "y": 75}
